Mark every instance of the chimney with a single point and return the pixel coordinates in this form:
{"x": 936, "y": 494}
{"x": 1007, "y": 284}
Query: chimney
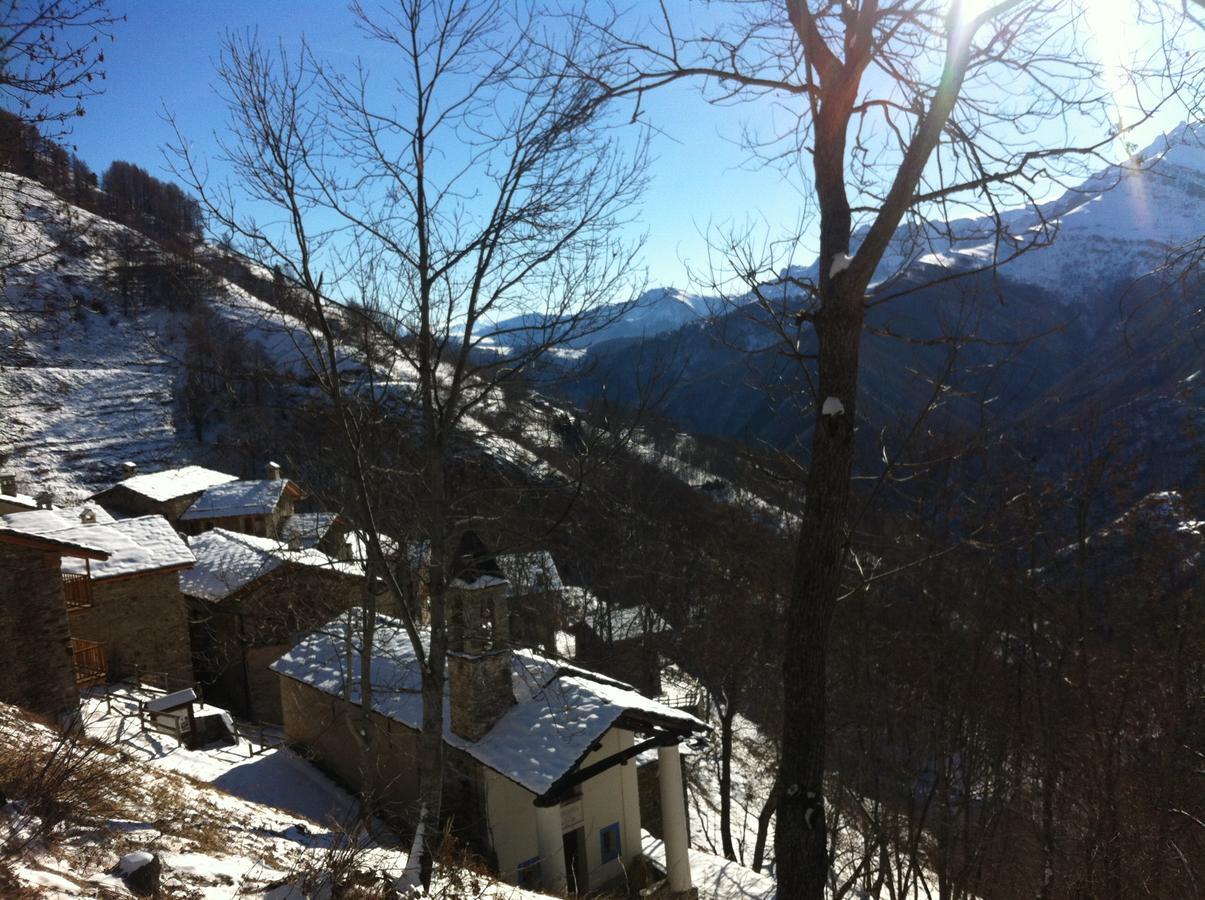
{"x": 273, "y": 471}
{"x": 87, "y": 516}
{"x": 45, "y": 500}
{"x": 8, "y": 484}
{"x": 128, "y": 469}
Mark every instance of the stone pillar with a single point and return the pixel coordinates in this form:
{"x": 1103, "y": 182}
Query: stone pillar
{"x": 552, "y": 848}
{"x": 673, "y": 819}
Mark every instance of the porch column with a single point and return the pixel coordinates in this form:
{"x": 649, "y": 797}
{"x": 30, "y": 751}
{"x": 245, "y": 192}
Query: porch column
{"x": 552, "y": 847}
{"x": 673, "y": 819}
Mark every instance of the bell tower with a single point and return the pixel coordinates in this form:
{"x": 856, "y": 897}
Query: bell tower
{"x": 479, "y": 654}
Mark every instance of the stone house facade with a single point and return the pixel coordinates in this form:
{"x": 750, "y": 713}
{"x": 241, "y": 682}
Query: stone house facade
{"x": 142, "y": 622}
{"x": 250, "y": 599}
{"x": 257, "y": 507}
{"x": 37, "y": 667}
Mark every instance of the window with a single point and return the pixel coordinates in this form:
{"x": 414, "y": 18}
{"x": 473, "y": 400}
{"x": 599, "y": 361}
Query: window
{"x": 609, "y": 841}
{"x": 529, "y": 874}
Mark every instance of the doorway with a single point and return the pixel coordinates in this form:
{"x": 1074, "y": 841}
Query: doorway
{"x": 575, "y": 860}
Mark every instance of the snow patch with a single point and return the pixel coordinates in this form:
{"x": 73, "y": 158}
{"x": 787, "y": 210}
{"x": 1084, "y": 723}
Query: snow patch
{"x": 841, "y": 262}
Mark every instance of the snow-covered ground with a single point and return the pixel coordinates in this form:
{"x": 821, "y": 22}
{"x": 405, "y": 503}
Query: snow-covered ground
{"x": 715, "y": 877}
{"x": 260, "y": 772}
{"x": 224, "y": 824}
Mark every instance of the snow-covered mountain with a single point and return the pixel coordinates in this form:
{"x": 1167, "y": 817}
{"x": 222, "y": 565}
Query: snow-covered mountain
{"x": 1119, "y": 224}
{"x": 654, "y": 312}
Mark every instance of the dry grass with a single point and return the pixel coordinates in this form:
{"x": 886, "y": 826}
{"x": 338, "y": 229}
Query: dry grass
{"x": 56, "y": 781}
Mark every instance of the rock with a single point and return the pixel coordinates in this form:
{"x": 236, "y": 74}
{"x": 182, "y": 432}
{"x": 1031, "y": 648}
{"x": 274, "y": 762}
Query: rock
{"x": 141, "y": 871}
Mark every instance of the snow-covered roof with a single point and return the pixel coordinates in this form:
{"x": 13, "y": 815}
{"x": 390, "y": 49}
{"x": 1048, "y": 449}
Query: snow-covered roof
{"x": 135, "y": 546}
{"x": 530, "y": 573}
{"x": 20, "y": 500}
{"x": 305, "y": 530}
{"x": 237, "y": 498}
{"x": 172, "y": 483}
{"x": 228, "y": 561}
{"x": 44, "y": 528}
{"x": 560, "y": 710}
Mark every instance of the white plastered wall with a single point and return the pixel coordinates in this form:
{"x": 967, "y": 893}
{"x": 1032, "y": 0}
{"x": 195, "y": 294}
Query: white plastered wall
{"x": 607, "y": 798}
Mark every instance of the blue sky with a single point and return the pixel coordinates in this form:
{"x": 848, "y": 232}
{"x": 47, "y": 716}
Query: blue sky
{"x": 164, "y": 56}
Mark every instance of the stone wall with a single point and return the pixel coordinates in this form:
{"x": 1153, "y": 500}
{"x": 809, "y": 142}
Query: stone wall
{"x": 321, "y": 724}
{"x": 37, "y": 668}
{"x": 142, "y": 621}
{"x": 480, "y": 691}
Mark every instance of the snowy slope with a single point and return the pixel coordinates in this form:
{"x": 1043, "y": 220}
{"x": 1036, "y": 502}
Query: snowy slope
{"x": 223, "y": 823}
{"x": 88, "y": 381}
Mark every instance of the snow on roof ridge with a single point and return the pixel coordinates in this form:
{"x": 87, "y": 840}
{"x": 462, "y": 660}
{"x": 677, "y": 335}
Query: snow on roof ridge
{"x": 136, "y": 546}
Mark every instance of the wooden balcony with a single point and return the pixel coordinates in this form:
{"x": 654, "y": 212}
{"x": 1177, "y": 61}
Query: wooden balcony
{"x": 89, "y": 662}
{"x": 77, "y": 590}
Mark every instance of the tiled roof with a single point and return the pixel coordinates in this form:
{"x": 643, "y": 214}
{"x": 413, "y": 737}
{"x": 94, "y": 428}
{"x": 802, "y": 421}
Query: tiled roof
{"x": 142, "y": 544}
{"x": 46, "y": 528}
{"x": 305, "y": 530}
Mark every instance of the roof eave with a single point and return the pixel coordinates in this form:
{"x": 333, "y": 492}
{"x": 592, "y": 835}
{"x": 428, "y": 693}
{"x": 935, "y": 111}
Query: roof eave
{"x": 49, "y": 545}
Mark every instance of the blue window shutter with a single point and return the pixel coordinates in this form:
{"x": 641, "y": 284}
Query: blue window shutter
{"x": 608, "y": 839}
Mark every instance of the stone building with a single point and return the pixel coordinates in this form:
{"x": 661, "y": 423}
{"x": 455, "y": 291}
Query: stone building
{"x": 325, "y": 531}
{"x": 168, "y": 493}
{"x": 540, "y": 775}
{"x": 621, "y": 641}
{"x": 131, "y": 604}
{"x": 126, "y": 613}
{"x": 535, "y": 594}
{"x": 257, "y": 507}
{"x": 250, "y": 599}
{"x": 37, "y": 662}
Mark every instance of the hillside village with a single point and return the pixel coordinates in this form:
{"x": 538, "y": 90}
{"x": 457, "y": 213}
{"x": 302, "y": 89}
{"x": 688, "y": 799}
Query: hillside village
{"x": 689, "y": 451}
{"x": 190, "y": 605}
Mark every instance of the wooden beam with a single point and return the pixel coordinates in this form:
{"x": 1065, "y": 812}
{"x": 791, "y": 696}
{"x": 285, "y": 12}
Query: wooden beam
{"x": 561, "y": 786}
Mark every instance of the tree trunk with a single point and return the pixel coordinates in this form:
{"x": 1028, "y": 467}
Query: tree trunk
{"x": 726, "y": 718}
{"x": 801, "y": 836}
{"x": 763, "y": 827}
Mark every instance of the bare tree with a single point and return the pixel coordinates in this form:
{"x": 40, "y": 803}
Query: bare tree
{"x": 52, "y": 56}
{"x": 481, "y": 180}
{"x": 904, "y": 113}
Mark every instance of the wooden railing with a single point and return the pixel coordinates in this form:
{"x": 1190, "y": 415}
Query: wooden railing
{"x": 89, "y": 662}
{"x": 77, "y": 590}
